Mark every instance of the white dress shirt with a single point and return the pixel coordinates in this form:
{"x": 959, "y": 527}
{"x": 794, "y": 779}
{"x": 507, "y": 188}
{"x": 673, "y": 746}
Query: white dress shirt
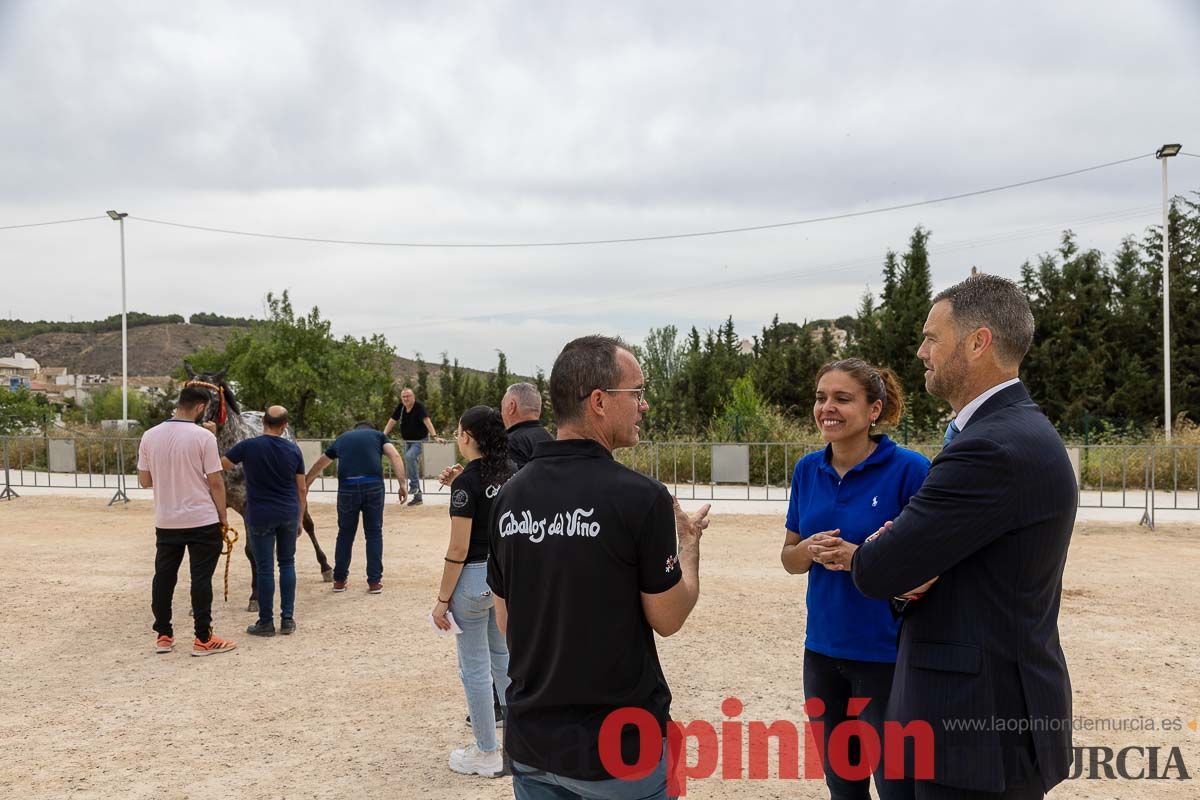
{"x": 970, "y": 408}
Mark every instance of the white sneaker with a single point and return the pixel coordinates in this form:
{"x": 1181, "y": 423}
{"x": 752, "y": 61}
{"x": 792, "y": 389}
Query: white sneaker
{"x": 470, "y": 760}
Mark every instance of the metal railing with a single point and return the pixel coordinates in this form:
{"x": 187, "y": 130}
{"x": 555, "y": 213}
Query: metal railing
{"x": 1153, "y": 478}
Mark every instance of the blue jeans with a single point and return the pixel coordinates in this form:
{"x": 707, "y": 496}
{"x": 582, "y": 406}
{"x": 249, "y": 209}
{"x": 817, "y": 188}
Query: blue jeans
{"x": 835, "y": 681}
{"x": 534, "y": 784}
{"x": 367, "y": 499}
{"x": 412, "y": 464}
{"x": 482, "y": 652}
{"x": 265, "y": 542}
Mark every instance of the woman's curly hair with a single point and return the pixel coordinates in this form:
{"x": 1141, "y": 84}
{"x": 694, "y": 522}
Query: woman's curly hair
{"x": 486, "y": 427}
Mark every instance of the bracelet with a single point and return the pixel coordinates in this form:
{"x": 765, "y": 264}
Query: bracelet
{"x": 440, "y": 600}
{"x": 452, "y": 561}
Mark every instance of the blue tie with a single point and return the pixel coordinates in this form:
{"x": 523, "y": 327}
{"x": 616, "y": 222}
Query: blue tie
{"x": 951, "y": 431}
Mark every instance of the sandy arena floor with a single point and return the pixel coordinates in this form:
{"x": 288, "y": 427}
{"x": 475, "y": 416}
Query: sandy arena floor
{"x": 364, "y": 701}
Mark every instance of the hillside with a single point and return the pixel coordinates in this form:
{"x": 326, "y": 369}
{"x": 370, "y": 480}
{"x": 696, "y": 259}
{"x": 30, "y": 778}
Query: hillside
{"x": 153, "y": 350}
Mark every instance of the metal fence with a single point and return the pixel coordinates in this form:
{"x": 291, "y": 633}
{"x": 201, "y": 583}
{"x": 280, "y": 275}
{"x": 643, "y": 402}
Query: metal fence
{"x": 1153, "y": 478}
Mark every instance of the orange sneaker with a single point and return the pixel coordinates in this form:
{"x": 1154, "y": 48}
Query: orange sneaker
{"x": 215, "y": 644}
{"x": 165, "y": 644}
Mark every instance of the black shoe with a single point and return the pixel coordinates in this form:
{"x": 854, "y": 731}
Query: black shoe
{"x": 416, "y": 499}
{"x": 499, "y": 717}
{"x": 287, "y": 625}
{"x": 261, "y": 629}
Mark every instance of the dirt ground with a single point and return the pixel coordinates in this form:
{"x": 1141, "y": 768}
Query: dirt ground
{"x": 364, "y": 701}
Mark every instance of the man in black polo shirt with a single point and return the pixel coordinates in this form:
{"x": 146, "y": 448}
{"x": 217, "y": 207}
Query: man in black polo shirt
{"x": 521, "y": 409}
{"x": 415, "y": 429}
{"x": 585, "y": 568}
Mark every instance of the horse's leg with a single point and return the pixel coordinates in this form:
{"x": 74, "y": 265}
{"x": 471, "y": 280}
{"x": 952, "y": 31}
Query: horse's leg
{"x": 326, "y": 570}
{"x": 252, "y": 604}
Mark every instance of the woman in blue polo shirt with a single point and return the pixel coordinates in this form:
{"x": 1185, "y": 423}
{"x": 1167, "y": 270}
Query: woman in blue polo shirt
{"x": 850, "y": 489}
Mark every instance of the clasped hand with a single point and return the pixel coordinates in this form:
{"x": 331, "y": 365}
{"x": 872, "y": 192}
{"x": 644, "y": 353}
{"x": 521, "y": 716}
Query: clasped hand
{"x": 834, "y": 553}
{"x": 830, "y": 550}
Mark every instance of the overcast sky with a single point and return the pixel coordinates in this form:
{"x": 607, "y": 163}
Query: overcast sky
{"x": 550, "y": 121}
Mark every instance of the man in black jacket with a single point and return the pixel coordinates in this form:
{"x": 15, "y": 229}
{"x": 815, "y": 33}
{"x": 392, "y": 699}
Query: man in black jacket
{"x": 521, "y": 410}
{"x": 979, "y": 656}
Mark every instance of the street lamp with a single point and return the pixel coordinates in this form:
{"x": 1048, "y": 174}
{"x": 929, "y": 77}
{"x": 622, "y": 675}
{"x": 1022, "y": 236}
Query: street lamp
{"x": 1163, "y": 153}
{"x": 119, "y": 218}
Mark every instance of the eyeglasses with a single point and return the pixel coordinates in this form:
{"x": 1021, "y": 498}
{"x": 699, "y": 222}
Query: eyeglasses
{"x": 638, "y": 393}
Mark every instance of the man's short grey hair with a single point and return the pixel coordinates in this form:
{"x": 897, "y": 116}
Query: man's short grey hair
{"x": 995, "y": 303}
{"x": 584, "y": 365}
{"x": 529, "y": 399}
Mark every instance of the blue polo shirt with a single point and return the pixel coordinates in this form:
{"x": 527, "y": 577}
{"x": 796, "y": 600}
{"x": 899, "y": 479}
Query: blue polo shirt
{"x": 842, "y": 623}
{"x": 271, "y": 464}
{"x": 359, "y": 454}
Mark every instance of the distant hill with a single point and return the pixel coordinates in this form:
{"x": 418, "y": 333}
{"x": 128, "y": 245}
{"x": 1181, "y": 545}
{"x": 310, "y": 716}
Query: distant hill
{"x": 153, "y": 350}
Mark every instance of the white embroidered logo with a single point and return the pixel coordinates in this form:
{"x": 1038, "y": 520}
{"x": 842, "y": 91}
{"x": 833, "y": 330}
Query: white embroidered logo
{"x": 492, "y": 491}
{"x": 671, "y": 562}
{"x": 874, "y": 501}
{"x": 459, "y": 499}
{"x": 567, "y": 523}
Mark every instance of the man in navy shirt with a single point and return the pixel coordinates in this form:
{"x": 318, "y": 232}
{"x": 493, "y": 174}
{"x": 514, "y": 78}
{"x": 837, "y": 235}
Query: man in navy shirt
{"x": 360, "y": 491}
{"x": 275, "y": 498}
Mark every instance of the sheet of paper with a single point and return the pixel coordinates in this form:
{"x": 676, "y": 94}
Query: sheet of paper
{"x": 453, "y": 625}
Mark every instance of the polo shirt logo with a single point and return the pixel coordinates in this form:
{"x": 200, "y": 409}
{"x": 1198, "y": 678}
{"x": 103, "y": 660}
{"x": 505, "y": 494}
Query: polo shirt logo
{"x": 874, "y": 501}
{"x": 569, "y": 523}
{"x": 671, "y": 562}
{"x": 492, "y": 490}
{"x": 459, "y": 499}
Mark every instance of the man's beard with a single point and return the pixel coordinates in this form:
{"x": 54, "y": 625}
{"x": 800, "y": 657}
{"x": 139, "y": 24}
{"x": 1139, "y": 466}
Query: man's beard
{"x": 945, "y": 382}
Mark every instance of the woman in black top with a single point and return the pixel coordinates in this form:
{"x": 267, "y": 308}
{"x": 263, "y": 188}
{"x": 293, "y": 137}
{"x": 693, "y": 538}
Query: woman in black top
{"x": 482, "y": 653}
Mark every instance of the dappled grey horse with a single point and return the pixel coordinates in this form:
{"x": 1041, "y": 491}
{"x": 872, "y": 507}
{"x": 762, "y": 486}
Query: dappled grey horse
{"x": 234, "y": 425}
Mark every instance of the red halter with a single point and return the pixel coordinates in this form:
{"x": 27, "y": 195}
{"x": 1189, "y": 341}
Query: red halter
{"x": 220, "y": 390}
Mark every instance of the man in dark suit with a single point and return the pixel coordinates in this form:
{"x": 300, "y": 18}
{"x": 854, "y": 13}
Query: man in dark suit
{"x": 979, "y": 655}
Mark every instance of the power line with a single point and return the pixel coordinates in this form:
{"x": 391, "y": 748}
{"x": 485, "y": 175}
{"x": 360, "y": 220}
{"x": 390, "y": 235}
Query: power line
{"x": 53, "y": 222}
{"x": 660, "y": 237}
{"x": 791, "y": 274}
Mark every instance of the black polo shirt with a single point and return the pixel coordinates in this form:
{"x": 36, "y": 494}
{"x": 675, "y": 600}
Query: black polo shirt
{"x": 521, "y": 440}
{"x": 470, "y": 498}
{"x": 576, "y": 538}
{"x": 412, "y": 423}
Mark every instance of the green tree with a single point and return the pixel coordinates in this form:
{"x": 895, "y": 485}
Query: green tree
{"x": 294, "y": 360}
{"x": 23, "y": 411}
{"x": 661, "y": 357}
{"x": 499, "y": 382}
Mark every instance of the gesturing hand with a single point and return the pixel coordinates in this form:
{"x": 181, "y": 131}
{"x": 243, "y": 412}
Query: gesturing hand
{"x": 690, "y": 527}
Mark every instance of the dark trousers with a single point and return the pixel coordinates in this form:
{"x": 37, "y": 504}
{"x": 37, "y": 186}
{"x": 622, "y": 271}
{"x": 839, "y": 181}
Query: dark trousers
{"x": 203, "y": 546}
{"x": 355, "y": 499}
{"x": 835, "y": 681}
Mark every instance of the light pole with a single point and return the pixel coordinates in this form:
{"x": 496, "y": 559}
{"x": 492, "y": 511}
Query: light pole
{"x": 119, "y": 217}
{"x": 1165, "y": 152}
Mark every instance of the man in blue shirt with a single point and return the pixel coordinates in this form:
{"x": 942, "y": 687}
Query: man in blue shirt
{"x": 360, "y": 491}
{"x": 275, "y": 498}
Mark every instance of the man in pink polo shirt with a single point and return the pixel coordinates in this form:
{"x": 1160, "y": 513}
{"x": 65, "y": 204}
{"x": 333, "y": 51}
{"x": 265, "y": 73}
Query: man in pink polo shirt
{"x": 179, "y": 459}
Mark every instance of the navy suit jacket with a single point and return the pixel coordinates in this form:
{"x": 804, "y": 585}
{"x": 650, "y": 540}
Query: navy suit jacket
{"x": 993, "y": 520}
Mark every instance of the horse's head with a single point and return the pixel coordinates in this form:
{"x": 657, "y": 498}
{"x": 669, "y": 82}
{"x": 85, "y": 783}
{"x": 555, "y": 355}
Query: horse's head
{"x": 221, "y": 401}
